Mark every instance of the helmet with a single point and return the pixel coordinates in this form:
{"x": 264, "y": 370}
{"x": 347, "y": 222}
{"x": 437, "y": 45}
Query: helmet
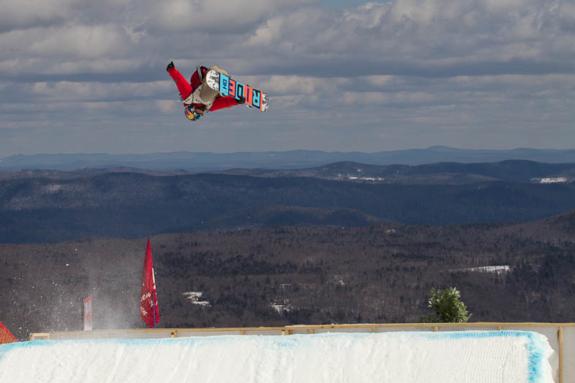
{"x": 191, "y": 113}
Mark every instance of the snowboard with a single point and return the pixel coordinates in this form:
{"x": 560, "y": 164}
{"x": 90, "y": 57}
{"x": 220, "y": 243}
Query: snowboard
{"x": 227, "y": 86}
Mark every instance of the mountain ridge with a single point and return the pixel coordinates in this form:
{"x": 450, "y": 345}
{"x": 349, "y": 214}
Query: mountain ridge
{"x": 128, "y": 204}
{"x": 278, "y": 159}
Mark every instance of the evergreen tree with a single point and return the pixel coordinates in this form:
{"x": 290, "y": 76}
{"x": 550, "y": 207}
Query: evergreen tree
{"x": 447, "y": 306}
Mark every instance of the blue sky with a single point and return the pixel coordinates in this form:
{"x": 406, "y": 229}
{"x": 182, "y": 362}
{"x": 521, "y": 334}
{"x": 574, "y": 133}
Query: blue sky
{"x": 80, "y": 76}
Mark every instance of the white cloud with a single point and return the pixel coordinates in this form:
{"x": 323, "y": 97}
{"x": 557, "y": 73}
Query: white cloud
{"x": 216, "y": 16}
{"x": 301, "y": 84}
{"x": 393, "y": 98}
{"x": 63, "y": 50}
{"x": 415, "y": 11}
{"x": 423, "y": 37}
{"x": 380, "y": 80}
{"x": 502, "y": 5}
{"x": 84, "y": 91}
{"x": 168, "y": 106}
{"x": 27, "y": 13}
{"x": 80, "y": 41}
{"x": 268, "y": 33}
{"x": 471, "y": 65}
{"x": 402, "y": 37}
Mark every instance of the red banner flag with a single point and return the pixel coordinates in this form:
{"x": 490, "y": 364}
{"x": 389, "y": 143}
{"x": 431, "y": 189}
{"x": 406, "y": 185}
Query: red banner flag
{"x": 149, "y": 309}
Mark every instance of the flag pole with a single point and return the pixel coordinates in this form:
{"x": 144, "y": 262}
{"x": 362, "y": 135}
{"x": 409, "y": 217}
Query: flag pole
{"x": 152, "y": 305}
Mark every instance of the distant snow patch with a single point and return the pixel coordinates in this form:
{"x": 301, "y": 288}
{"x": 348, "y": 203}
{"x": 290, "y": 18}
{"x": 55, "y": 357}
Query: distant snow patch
{"x": 52, "y": 188}
{"x": 501, "y": 269}
{"x": 552, "y": 180}
{"x": 338, "y": 280}
{"x": 281, "y": 308}
{"x": 367, "y": 179}
{"x": 195, "y": 298}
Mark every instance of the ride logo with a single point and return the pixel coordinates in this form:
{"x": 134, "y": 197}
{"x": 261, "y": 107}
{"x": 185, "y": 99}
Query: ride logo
{"x": 238, "y": 90}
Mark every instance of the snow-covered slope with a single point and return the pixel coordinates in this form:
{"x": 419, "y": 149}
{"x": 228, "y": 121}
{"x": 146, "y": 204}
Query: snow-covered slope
{"x": 400, "y": 357}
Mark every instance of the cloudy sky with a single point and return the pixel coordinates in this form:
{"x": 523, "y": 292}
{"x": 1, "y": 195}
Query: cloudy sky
{"x": 80, "y": 76}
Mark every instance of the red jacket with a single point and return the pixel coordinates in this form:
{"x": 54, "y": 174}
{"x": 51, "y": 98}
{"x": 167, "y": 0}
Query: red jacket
{"x": 187, "y": 88}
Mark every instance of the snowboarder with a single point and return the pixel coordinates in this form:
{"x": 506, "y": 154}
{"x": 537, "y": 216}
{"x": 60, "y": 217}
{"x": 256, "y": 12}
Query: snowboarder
{"x": 197, "y": 97}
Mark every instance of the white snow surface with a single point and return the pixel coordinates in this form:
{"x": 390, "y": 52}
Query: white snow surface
{"x": 281, "y": 308}
{"x": 393, "y": 357}
{"x": 194, "y": 297}
{"x": 553, "y": 180}
{"x": 502, "y": 269}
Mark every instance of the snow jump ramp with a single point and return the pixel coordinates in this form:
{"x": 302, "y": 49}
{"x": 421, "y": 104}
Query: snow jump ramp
{"x": 506, "y": 356}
